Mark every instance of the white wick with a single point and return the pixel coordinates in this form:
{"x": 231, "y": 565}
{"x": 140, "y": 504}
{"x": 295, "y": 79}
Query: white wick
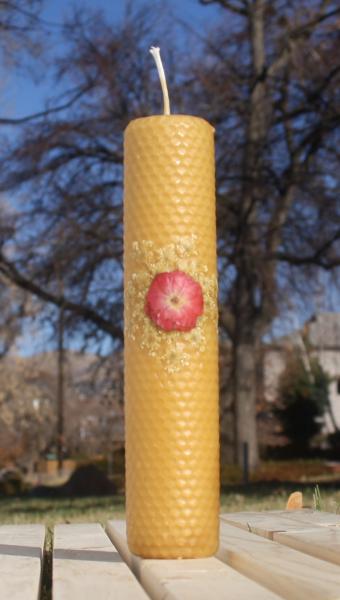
{"x": 157, "y": 56}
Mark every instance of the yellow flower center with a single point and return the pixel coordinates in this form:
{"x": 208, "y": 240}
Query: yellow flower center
{"x": 175, "y": 301}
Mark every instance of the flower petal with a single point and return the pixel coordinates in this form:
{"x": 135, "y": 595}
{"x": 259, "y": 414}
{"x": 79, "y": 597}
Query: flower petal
{"x": 174, "y": 301}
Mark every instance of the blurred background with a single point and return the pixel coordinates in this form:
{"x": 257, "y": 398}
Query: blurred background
{"x": 266, "y": 74}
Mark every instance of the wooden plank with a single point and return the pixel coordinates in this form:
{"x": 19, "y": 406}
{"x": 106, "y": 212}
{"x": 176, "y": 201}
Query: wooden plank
{"x": 319, "y": 540}
{"x": 313, "y": 517}
{"x": 265, "y": 524}
{"x": 323, "y": 542}
{"x": 86, "y": 566}
{"x": 307, "y": 515}
{"x": 287, "y": 572}
{"x": 21, "y": 555}
{"x": 188, "y": 579}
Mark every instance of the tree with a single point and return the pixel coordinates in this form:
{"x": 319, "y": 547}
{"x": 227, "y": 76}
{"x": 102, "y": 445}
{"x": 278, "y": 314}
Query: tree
{"x": 268, "y": 81}
{"x": 15, "y": 303}
{"x": 20, "y": 38}
{"x": 272, "y": 85}
{"x": 20, "y": 28}
{"x": 303, "y": 399}
{"x": 26, "y": 409}
{"x": 69, "y": 164}
{"x": 93, "y": 403}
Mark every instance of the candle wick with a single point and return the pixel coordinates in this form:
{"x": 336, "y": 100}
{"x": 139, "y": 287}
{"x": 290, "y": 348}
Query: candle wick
{"x": 157, "y": 56}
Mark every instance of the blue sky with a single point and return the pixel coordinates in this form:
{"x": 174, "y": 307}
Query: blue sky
{"x": 20, "y": 97}
{"x": 23, "y": 96}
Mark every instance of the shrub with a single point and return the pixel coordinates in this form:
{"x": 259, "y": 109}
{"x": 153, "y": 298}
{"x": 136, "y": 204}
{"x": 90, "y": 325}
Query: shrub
{"x": 303, "y": 400}
{"x": 334, "y": 443}
{"x": 11, "y": 482}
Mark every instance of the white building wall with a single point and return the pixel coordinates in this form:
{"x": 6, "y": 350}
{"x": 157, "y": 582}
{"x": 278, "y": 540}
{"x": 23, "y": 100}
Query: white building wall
{"x": 274, "y": 363}
{"x": 330, "y": 362}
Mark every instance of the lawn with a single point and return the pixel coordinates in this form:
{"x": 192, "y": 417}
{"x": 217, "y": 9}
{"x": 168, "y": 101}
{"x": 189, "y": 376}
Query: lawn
{"x": 268, "y": 489}
{"x": 253, "y": 497}
{"x": 61, "y": 510}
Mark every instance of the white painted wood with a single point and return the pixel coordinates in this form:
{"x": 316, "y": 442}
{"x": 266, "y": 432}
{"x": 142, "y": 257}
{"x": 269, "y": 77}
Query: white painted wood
{"x": 86, "y": 566}
{"x": 323, "y": 542}
{"x": 189, "y": 579}
{"x": 287, "y": 572}
{"x": 21, "y": 554}
{"x": 266, "y": 524}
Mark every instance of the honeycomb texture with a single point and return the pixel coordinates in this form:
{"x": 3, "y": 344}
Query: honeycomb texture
{"x": 172, "y": 471}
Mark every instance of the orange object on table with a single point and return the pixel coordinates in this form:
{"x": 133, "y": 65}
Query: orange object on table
{"x": 171, "y": 340}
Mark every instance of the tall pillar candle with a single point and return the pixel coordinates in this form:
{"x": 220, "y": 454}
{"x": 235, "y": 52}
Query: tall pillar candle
{"x": 171, "y": 364}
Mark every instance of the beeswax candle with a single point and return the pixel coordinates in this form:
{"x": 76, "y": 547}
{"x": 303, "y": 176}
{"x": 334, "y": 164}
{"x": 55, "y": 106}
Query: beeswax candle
{"x": 171, "y": 363}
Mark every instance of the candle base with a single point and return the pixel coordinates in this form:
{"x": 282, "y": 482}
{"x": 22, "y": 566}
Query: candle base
{"x": 191, "y": 549}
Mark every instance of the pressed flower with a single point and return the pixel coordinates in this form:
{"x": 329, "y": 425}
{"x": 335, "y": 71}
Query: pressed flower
{"x": 174, "y": 301}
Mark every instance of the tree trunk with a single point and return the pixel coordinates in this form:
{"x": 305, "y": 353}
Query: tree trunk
{"x": 227, "y": 428}
{"x": 60, "y": 391}
{"x": 245, "y": 403}
{"x": 248, "y": 282}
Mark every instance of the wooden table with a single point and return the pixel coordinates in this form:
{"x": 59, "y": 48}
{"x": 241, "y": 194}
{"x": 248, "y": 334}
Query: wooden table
{"x": 262, "y": 556}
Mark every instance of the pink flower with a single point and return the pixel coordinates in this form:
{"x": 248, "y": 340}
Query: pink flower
{"x": 174, "y": 301}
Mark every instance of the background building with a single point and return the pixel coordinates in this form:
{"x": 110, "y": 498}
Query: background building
{"x": 319, "y": 338}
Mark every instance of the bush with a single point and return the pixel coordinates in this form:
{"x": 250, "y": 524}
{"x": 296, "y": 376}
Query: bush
{"x": 11, "y": 482}
{"x": 86, "y": 480}
{"x": 303, "y": 400}
{"x": 334, "y": 443}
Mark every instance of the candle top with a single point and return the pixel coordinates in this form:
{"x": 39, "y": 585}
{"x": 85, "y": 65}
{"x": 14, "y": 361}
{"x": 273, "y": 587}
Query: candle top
{"x": 156, "y": 53}
{"x": 169, "y": 120}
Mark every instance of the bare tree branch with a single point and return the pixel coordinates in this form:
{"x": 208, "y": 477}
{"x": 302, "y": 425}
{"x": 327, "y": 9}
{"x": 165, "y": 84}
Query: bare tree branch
{"x": 240, "y": 7}
{"x": 9, "y": 271}
{"x": 48, "y": 111}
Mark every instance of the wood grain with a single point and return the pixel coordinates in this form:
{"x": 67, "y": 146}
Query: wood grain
{"x": 313, "y": 517}
{"x": 287, "y": 572}
{"x": 86, "y": 566}
{"x": 189, "y": 579}
{"x": 21, "y": 554}
{"x": 266, "y": 524}
{"x": 323, "y": 542}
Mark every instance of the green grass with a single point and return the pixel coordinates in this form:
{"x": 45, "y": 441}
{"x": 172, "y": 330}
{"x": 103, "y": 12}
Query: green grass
{"x": 276, "y": 499}
{"x": 51, "y": 511}
{"x": 100, "y": 509}
{"x": 317, "y": 500}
